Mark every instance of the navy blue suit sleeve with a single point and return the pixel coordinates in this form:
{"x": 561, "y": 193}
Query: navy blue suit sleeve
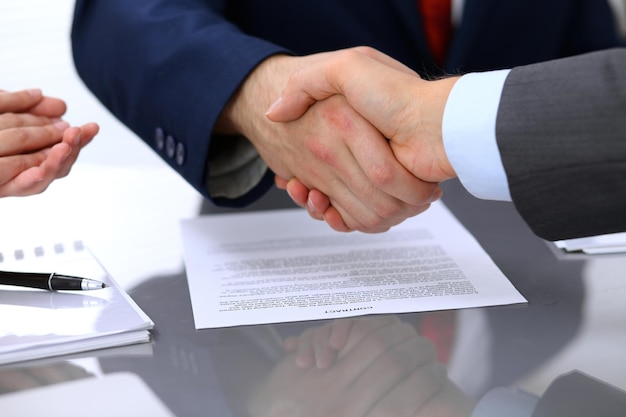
{"x": 142, "y": 58}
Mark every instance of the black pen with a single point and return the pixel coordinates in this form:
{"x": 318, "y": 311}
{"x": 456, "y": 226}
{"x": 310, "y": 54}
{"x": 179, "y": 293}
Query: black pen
{"x": 52, "y": 281}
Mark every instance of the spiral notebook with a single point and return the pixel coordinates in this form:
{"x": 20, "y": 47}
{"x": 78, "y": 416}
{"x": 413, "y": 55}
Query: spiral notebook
{"x": 37, "y": 324}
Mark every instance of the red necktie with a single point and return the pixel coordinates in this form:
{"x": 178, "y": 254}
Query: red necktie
{"x": 439, "y": 327}
{"x": 437, "y": 21}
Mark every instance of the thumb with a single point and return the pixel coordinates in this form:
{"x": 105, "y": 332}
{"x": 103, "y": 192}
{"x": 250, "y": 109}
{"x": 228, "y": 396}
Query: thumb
{"x": 290, "y": 106}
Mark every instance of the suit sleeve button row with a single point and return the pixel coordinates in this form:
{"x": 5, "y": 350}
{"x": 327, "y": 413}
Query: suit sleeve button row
{"x": 173, "y": 149}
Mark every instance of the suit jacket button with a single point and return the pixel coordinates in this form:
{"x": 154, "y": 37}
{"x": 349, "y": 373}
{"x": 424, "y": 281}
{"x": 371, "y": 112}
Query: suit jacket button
{"x": 170, "y": 146}
{"x": 180, "y": 153}
{"x": 159, "y": 138}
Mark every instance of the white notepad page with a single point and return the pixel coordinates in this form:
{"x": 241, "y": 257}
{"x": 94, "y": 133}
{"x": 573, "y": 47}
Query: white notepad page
{"x": 39, "y": 323}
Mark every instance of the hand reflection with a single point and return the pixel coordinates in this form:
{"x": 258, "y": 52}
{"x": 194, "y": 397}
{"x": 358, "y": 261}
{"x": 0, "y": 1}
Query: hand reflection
{"x": 27, "y": 377}
{"x": 382, "y": 368}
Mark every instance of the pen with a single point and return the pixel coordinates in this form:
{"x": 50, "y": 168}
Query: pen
{"x": 52, "y": 281}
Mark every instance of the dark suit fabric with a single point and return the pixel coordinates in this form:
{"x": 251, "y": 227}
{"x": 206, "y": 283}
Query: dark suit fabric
{"x": 576, "y": 394}
{"x": 561, "y": 130}
{"x": 174, "y": 64}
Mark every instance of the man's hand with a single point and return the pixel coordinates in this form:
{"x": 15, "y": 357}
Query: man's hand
{"x": 404, "y": 108}
{"x": 331, "y": 148}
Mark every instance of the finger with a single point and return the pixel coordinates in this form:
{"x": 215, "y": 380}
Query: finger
{"x": 362, "y": 327}
{"x": 382, "y": 360}
{"x": 409, "y": 396}
{"x": 50, "y": 107}
{"x": 87, "y": 132}
{"x": 72, "y": 136}
{"x": 76, "y": 138}
{"x": 20, "y": 140}
{"x": 297, "y": 191}
{"x": 333, "y": 218}
{"x": 340, "y": 330}
{"x": 280, "y": 182}
{"x": 336, "y": 221}
{"x": 36, "y": 179}
{"x": 12, "y": 166}
{"x": 290, "y": 344}
{"x": 449, "y": 401}
{"x": 396, "y": 364}
{"x": 355, "y": 215}
{"x": 327, "y": 77}
{"x": 79, "y": 137}
{"x": 361, "y": 216}
{"x": 385, "y": 59}
{"x": 360, "y": 201}
{"x": 305, "y": 358}
{"x": 20, "y": 100}
{"x": 372, "y": 191}
{"x": 324, "y": 354}
{"x": 383, "y": 170}
{"x": 59, "y": 164}
{"x": 11, "y": 120}
{"x": 317, "y": 203}
{"x": 313, "y": 83}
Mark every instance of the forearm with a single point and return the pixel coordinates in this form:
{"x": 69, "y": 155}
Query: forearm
{"x": 151, "y": 80}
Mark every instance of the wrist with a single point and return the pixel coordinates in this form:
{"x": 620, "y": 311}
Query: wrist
{"x": 428, "y": 129}
{"x": 250, "y": 101}
{"x": 442, "y": 92}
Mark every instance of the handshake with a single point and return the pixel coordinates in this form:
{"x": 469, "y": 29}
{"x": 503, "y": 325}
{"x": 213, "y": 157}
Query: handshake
{"x": 407, "y": 161}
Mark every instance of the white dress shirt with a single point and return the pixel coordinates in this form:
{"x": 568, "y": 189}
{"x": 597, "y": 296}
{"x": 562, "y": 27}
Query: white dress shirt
{"x": 469, "y": 134}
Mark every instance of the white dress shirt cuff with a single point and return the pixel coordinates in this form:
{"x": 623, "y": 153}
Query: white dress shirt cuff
{"x": 469, "y": 134}
{"x": 508, "y": 402}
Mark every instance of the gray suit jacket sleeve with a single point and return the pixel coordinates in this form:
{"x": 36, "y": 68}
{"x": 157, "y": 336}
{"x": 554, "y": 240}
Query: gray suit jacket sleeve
{"x": 561, "y": 131}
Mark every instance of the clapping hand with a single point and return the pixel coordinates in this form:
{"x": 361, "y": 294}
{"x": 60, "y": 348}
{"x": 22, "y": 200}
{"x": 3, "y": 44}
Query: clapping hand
{"x": 36, "y": 146}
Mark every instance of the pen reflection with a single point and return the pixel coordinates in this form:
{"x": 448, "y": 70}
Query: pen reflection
{"x": 49, "y": 299}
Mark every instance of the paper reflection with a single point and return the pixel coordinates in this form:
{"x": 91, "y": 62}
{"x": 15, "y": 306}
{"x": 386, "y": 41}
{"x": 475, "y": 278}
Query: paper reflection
{"x": 30, "y": 314}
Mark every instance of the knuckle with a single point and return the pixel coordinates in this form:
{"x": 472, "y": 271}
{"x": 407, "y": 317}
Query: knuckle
{"x": 381, "y": 175}
{"x": 370, "y": 223}
{"x": 339, "y": 118}
{"x": 321, "y": 151}
{"x": 391, "y": 213}
{"x": 388, "y": 211}
{"x": 365, "y": 50}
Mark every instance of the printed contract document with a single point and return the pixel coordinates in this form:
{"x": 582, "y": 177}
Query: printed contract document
{"x": 281, "y": 265}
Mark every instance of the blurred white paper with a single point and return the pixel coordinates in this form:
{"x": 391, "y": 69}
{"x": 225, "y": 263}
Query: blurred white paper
{"x": 595, "y": 245}
{"x": 120, "y": 394}
{"x": 281, "y": 265}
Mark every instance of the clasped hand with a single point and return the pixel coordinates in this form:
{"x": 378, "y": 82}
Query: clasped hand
{"x": 403, "y": 108}
{"x": 366, "y": 367}
{"x": 36, "y": 146}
